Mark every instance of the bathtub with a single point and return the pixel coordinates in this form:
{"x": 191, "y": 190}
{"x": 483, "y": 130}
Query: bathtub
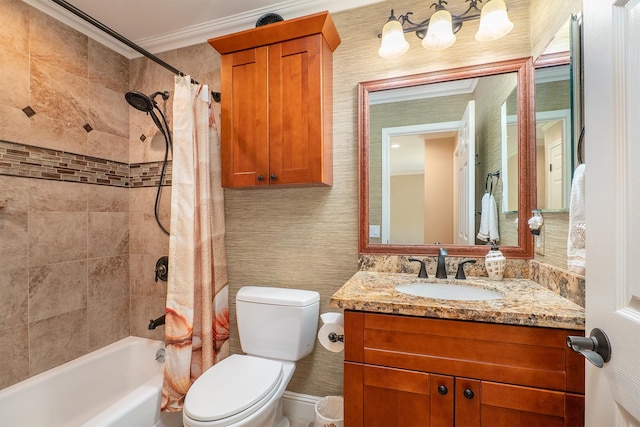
{"x": 116, "y": 386}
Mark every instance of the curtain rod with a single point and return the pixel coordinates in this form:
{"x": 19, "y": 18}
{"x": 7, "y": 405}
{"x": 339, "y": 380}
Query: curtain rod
{"x": 71, "y": 8}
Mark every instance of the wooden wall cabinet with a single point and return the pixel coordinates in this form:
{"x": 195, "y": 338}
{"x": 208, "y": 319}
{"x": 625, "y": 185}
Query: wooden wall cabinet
{"x": 411, "y": 371}
{"x": 277, "y": 103}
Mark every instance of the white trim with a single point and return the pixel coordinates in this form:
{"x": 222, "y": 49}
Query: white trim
{"x": 299, "y": 406}
{"x": 432, "y": 90}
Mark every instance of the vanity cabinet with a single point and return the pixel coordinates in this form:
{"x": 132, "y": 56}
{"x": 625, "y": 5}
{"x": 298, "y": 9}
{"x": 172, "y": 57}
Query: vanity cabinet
{"x": 277, "y": 103}
{"x": 412, "y": 371}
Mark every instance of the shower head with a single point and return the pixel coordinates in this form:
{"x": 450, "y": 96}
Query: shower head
{"x": 142, "y": 102}
{"x": 139, "y": 101}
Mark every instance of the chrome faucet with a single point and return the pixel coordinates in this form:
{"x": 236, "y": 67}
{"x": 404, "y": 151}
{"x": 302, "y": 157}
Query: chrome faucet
{"x": 441, "y": 271}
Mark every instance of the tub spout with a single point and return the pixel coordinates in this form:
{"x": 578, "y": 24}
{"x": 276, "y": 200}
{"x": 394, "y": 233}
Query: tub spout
{"x": 157, "y": 322}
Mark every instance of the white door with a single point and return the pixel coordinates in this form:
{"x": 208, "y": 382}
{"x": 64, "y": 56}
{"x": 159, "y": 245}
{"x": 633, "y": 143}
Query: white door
{"x": 464, "y": 178}
{"x": 554, "y": 181}
{"x": 612, "y": 182}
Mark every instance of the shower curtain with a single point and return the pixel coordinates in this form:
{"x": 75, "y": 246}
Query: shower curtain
{"x": 197, "y": 311}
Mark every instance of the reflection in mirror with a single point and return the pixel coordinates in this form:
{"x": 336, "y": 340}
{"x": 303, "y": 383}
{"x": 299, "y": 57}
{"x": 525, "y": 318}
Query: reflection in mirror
{"x": 554, "y": 160}
{"x": 431, "y": 150}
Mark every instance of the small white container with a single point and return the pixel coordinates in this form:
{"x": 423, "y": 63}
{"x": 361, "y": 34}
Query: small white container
{"x": 330, "y": 412}
{"x": 495, "y": 263}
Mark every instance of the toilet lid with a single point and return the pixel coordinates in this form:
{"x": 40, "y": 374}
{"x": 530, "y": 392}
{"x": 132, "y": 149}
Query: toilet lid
{"x": 231, "y": 386}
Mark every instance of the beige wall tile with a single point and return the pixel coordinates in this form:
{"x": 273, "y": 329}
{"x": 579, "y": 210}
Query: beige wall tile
{"x": 14, "y": 86}
{"x": 107, "y": 68}
{"x": 57, "y": 134}
{"x": 56, "y": 44}
{"x": 107, "y": 146}
{"x": 14, "y": 288}
{"x": 143, "y": 309}
{"x": 57, "y": 237}
{"x": 108, "y": 322}
{"x": 108, "y": 234}
{"x": 57, "y": 339}
{"x": 57, "y": 196}
{"x": 108, "y": 199}
{"x": 13, "y": 221}
{"x": 14, "y": 25}
{"x": 56, "y": 289}
{"x": 107, "y": 111}
{"x": 14, "y": 125}
{"x": 14, "y": 352}
{"x": 108, "y": 278}
{"x": 59, "y": 94}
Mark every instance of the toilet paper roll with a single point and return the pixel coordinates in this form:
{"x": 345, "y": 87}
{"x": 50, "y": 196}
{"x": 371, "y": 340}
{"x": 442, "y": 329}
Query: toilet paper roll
{"x": 323, "y": 337}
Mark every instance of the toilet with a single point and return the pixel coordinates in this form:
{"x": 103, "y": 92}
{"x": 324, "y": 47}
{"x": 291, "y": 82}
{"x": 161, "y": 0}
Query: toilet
{"x": 277, "y": 327}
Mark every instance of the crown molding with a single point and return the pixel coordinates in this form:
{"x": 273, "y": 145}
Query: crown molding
{"x": 198, "y": 33}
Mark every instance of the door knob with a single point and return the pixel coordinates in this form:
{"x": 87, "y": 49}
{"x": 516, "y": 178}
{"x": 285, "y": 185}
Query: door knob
{"x": 596, "y": 347}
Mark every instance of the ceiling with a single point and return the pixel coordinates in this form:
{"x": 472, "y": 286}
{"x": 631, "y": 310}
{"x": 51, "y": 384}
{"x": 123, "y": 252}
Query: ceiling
{"x": 160, "y": 25}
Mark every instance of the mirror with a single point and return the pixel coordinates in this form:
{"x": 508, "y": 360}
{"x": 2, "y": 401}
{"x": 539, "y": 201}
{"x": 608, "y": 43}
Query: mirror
{"x": 416, "y": 200}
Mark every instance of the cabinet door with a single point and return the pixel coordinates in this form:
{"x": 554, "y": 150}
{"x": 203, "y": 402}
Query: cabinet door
{"x": 399, "y": 398}
{"x": 504, "y": 405}
{"x": 296, "y": 121}
{"x": 244, "y": 130}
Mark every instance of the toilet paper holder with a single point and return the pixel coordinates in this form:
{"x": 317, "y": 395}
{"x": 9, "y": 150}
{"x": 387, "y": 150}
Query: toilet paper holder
{"x": 333, "y": 337}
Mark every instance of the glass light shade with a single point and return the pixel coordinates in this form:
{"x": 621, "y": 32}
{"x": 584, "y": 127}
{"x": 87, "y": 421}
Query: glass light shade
{"x": 393, "y": 43}
{"x": 494, "y": 21}
{"x": 440, "y": 32}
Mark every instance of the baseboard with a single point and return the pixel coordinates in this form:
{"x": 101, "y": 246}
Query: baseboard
{"x": 299, "y": 406}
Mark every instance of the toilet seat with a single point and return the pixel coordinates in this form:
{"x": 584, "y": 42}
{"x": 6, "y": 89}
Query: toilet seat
{"x": 233, "y": 389}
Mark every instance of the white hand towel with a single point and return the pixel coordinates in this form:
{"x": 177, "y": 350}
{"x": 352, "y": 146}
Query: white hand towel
{"x": 488, "y": 219}
{"x": 494, "y": 236}
{"x": 483, "y": 231}
{"x": 576, "y": 242}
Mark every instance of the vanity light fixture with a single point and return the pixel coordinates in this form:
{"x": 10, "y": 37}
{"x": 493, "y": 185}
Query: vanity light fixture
{"x": 438, "y": 31}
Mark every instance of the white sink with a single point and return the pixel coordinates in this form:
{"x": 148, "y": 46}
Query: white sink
{"x": 448, "y": 291}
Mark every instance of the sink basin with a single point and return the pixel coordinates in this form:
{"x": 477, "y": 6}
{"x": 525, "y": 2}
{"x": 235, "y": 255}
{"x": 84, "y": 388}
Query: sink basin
{"x": 448, "y": 291}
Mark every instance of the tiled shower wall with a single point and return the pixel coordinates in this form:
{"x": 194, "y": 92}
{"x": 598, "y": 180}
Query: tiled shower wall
{"x": 66, "y": 276}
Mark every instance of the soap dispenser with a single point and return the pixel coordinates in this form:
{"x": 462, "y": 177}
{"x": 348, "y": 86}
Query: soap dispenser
{"x": 495, "y": 262}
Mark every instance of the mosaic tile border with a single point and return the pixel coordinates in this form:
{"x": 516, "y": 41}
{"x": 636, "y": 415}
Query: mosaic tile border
{"x": 28, "y": 161}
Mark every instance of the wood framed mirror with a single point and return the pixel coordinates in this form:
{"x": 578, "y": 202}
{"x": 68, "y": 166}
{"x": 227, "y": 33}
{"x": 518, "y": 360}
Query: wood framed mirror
{"x": 476, "y": 157}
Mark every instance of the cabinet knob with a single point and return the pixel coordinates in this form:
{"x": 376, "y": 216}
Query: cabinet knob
{"x": 443, "y": 390}
{"x": 468, "y": 393}
{"x": 260, "y": 178}
{"x": 273, "y": 176}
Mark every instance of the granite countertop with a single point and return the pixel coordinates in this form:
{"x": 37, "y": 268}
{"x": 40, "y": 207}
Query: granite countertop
{"x": 525, "y": 302}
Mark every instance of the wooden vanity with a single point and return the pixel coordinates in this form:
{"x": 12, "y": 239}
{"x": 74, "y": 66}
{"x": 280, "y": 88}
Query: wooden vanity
{"x": 466, "y": 363}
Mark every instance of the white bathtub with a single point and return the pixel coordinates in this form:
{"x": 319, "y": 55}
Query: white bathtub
{"x": 118, "y": 385}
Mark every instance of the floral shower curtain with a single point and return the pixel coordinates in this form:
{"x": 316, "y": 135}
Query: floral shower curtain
{"x": 197, "y": 311}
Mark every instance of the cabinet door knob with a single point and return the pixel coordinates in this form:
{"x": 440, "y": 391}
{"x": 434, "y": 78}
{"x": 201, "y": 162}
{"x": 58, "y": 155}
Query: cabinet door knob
{"x": 273, "y": 176}
{"x": 260, "y": 178}
{"x": 443, "y": 390}
{"x": 468, "y": 393}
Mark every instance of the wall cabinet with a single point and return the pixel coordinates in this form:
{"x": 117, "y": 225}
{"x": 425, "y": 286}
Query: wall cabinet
{"x": 277, "y": 103}
{"x": 411, "y": 371}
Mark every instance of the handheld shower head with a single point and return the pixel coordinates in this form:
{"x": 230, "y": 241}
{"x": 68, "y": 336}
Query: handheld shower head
{"x": 144, "y": 103}
{"x": 139, "y": 101}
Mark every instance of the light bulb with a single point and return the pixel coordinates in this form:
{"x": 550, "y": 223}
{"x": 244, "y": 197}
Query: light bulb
{"x": 440, "y": 32}
{"x": 393, "y": 43}
{"x": 494, "y": 21}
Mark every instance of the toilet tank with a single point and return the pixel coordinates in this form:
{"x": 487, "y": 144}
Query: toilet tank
{"x": 277, "y": 323}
